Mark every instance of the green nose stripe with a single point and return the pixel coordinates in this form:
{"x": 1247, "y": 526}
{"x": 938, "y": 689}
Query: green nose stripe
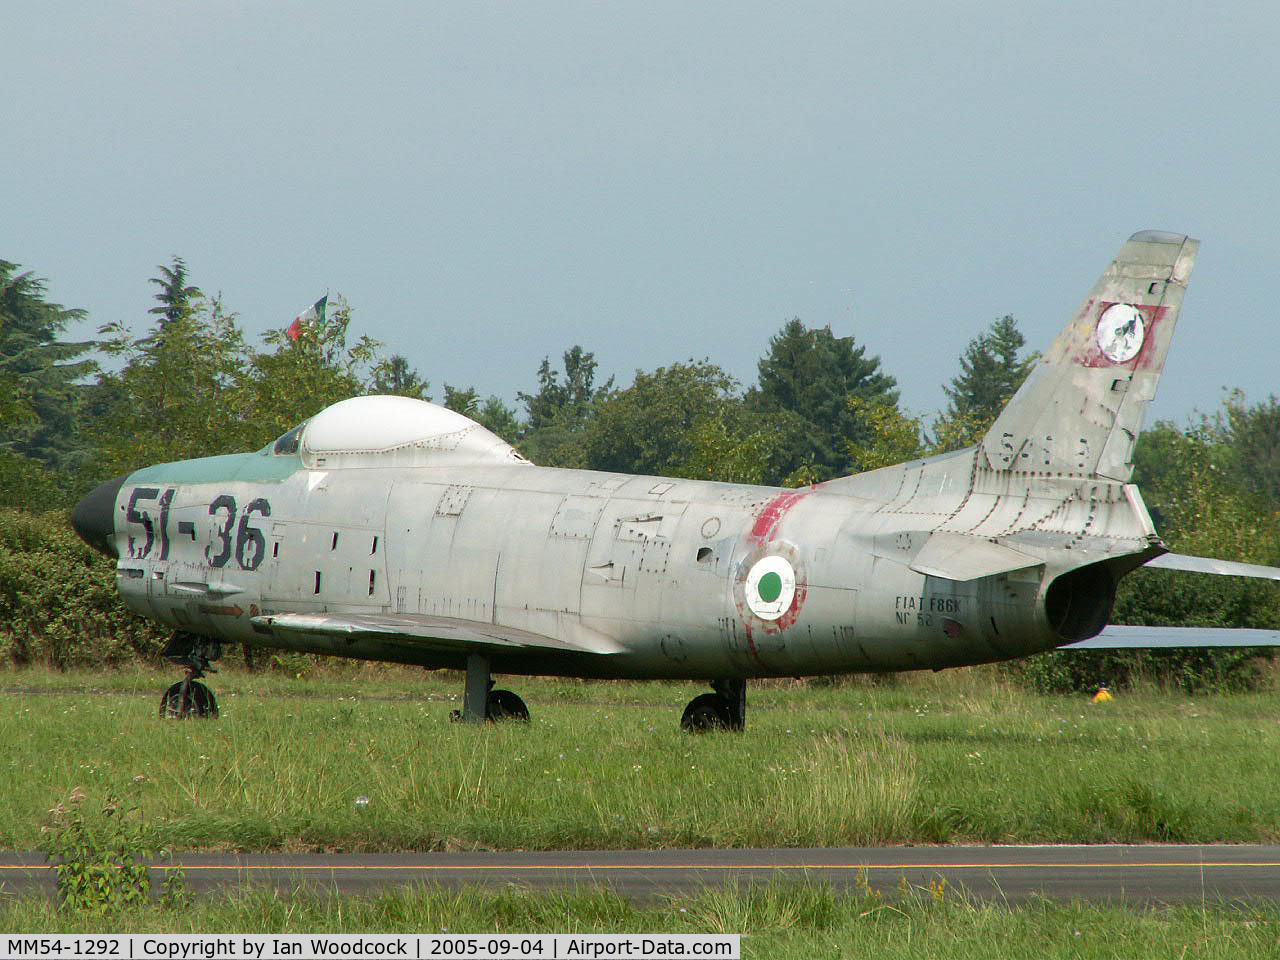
{"x": 769, "y": 587}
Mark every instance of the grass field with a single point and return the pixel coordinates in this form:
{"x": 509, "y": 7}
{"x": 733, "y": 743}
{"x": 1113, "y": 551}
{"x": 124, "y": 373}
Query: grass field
{"x": 956, "y": 757}
{"x": 777, "y": 920}
{"x": 960, "y": 756}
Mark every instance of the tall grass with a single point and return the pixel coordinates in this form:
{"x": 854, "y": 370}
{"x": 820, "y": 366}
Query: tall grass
{"x": 968, "y": 759}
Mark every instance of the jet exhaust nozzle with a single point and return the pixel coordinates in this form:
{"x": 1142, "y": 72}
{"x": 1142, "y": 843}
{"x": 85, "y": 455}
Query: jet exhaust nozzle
{"x": 1079, "y": 603}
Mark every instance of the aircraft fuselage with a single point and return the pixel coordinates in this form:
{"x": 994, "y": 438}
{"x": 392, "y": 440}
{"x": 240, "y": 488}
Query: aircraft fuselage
{"x": 658, "y": 565}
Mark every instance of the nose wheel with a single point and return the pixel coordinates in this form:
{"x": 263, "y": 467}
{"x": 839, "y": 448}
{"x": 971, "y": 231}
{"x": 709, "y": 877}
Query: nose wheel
{"x": 189, "y": 697}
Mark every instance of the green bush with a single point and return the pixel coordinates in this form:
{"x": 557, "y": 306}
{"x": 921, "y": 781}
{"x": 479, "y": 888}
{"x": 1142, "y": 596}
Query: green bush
{"x": 25, "y": 484}
{"x": 58, "y": 599}
{"x": 1208, "y": 670}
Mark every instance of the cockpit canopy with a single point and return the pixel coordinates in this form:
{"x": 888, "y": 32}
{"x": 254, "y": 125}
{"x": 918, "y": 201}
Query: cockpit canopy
{"x": 386, "y": 431}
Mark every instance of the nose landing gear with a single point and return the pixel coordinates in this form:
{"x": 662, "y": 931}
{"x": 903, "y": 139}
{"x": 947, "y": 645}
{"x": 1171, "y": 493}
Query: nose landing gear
{"x": 189, "y": 697}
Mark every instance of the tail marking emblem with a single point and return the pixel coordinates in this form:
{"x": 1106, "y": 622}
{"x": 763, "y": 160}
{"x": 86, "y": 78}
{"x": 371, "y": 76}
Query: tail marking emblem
{"x": 1121, "y": 332}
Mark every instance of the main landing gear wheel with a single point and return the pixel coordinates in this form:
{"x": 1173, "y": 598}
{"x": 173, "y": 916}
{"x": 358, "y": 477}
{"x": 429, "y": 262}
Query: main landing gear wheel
{"x": 188, "y": 698}
{"x": 503, "y": 705}
{"x": 725, "y": 709}
{"x": 500, "y": 706}
{"x": 706, "y": 712}
{"x": 481, "y": 703}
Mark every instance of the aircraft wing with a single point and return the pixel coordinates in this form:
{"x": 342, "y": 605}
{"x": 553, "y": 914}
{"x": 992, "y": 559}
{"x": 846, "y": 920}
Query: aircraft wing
{"x": 443, "y": 633}
{"x": 1164, "y": 638}
{"x": 1229, "y": 568}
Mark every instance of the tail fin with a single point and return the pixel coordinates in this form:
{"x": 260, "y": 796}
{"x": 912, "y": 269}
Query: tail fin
{"x": 1082, "y": 407}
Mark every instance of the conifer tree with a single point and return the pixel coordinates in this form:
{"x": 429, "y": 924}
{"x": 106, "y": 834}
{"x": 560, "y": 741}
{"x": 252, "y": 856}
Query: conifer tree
{"x": 176, "y": 296}
{"x": 39, "y": 373}
{"x": 560, "y": 410}
{"x": 812, "y": 374}
{"x": 991, "y": 370}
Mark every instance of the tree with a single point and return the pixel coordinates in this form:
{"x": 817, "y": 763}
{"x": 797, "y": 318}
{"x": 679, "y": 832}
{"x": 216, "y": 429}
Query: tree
{"x": 812, "y": 373}
{"x": 192, "y": 387}
{"x": 1252, "y": 435}
{"x": 1188, "y": 476}
{"x": 16, "y": 414}
{"x": 566, "y": 403}
{"x": 39, "y": 374}
{"x": 496, "y": 416}
{"x": 177, "y": 394}
{"x": 176, "y": 296}
{"x": 735, "y": 445}
{"x": 559, "y": 411}
{"x": 648, "y": 427}
{"x": 395, "y": 376}
{"x": 463, "y": 401}
{"x": 1158, "y": 471}
{"x": 306, "y": 371}
{"x": 991, "y": 371}
{"x": 893, "y": 437}
{"x": 27, "y": 486}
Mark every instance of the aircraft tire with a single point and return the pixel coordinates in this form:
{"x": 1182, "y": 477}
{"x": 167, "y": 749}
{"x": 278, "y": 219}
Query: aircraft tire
{"x": 199, "y": 702}
{"x": 707, "y": 712}
{"x": 504, "y": 705}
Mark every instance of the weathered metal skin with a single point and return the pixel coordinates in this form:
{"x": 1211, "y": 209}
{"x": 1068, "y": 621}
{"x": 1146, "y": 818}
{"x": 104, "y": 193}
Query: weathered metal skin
{"x": 563, "y": 553}
{"x": 376, "y": 535}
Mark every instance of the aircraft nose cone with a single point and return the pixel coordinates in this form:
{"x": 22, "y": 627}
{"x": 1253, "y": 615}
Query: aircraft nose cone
{"x": 94, "y": 517}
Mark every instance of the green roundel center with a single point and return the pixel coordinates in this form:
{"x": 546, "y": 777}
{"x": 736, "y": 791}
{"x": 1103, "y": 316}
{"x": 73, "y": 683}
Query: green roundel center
{"x": 770, "y": 587}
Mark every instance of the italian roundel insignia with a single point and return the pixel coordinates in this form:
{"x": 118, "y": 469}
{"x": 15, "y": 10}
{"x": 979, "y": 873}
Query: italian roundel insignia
{"x": 770, "y": 587}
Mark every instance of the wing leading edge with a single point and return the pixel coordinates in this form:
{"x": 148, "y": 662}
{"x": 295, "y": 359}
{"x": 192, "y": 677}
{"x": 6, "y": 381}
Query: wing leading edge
{"x": 1227, "y": 568}
{"x": 1168, "y": 638}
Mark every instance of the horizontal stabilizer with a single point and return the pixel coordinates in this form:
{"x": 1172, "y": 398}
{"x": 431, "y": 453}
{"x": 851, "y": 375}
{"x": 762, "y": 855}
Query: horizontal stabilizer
{"x": 956, "y": 556}
{"x": 1155, "y": 638}
{"x": 1226, "y": 568}
{"x": 441, "y": 633}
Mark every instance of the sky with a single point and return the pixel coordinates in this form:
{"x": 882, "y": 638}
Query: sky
{"x": 491, "y": 183}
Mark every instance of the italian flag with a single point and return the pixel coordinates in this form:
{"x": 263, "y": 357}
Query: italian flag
{"x": 310, "y": 315}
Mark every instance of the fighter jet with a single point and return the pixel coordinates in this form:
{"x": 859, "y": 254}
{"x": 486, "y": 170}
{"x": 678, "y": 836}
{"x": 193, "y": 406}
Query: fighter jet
{"x": 386, "y": 528}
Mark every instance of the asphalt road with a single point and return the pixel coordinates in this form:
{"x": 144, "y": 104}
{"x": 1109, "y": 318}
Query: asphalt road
{"x": 1110, "y": 873}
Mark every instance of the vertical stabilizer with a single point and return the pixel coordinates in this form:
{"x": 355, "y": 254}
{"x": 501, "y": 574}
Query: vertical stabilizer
{"x": 1080, "y": 410}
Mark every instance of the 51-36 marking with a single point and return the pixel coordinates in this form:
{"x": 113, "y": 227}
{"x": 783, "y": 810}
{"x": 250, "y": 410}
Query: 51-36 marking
{"x": 248, "y": 546}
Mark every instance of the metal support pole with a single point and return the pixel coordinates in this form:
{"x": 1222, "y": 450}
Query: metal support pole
{"x": 476, "y": 693}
